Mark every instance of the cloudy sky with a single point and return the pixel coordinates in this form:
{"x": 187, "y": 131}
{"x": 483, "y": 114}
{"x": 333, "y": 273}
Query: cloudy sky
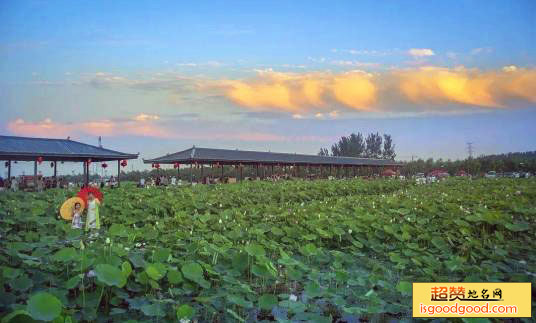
{"x": 291, "y": 76}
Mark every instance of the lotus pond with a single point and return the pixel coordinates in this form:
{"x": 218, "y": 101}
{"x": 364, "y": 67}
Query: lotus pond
{"x": 315, "y": 251}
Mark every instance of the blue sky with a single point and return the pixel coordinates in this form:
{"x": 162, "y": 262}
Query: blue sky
{"x": 274, "y": 75}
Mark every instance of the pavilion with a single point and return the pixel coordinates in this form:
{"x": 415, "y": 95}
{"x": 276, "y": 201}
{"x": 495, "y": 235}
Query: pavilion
{"x": 219, "y": 157}
{"x": 38, "y": 150}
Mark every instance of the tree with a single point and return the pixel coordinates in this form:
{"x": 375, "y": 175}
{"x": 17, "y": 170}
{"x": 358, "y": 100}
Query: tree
{"x": 388, "y": 147}
{"x": 356, "y": 146}
{"x": 323, "y": 152}
{"x": 351, "y": 146}
{"x": 373, "y": 146}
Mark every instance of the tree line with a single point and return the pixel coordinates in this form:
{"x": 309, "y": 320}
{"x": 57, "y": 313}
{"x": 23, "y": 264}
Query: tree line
{"x": 510, "y": 162}
{"x": 356, "y": 145}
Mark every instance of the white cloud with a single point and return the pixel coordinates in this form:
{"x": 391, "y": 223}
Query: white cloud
{"x": 146, "y": 117}
{"x": 481, "y": 50}
{"x": 334, "y": 114}
{"x": 354, "y": 63}
{"x": 421, "y": 52}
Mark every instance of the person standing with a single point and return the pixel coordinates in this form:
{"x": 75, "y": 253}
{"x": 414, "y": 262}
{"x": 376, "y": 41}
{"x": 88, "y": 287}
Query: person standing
{"x": 93, "y": 220}
{"x": 14, "y": 184}
{"x": 77, "y": 216}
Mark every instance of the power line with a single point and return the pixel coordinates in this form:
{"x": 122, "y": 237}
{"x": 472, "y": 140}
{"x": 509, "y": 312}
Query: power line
{"x": 470, "y": 149}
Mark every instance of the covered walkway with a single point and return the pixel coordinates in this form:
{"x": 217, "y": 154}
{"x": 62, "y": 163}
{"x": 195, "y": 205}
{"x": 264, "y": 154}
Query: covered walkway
{"x": 268, "y": 160}
{"x": 40, "y": 150}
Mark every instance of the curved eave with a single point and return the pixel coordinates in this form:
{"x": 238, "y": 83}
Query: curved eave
{"x": 64, "y": 157}
{"x": 266, "y": 162}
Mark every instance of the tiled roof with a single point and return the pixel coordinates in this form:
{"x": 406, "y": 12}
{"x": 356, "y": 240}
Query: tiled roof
{"x": 25, "y": 148}
{"x": 208, "y": 155}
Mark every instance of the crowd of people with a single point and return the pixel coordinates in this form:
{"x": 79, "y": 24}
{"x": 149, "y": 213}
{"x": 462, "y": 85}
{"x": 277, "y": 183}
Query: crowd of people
{"x": 28, "y": 183}
{"x": 159, "y": 181}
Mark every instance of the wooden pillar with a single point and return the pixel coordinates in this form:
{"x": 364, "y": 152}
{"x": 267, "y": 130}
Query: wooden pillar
{"x": 241, "y": 174}
{"x": 258, "y": 170}
{"x": 191, "y": 174}
{"x": 86, "y": 166}
{"x": 35, "y": 175}
{"x": 9, "y": 170}
{"x": 221, "y": 177}
{"x": 118, "y": 173}
{"x": 202, "y": 179}
{"x": 55, "y": 169}
{"x": 353, "y": 170}
{"x": 178, "y": 172}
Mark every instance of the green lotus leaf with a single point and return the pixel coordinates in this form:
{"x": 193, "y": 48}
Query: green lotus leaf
{"x": 267, "y": 301}
{"x": 185, "y": 311}
{"x": 44, "y": 306}
{"x": 110, "y": 275}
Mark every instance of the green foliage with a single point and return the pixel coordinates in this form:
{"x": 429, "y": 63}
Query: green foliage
{"x": 301, "y": 251}
{"x": 110, "y": 275}
{"x": 44, "y": 306}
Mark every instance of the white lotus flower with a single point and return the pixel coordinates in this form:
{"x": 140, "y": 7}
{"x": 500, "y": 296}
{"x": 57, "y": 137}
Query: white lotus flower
{"x": 350, "y": 231}
{"x": 220, "y": 221}
{"x": 184, "y": 321}
{"x": 127, "y": 248}
{"x": 156, "y": 222}
{"x": 91, "y": 273}
{"x": 293, "y": 297}
{"x": 107, "y": 240}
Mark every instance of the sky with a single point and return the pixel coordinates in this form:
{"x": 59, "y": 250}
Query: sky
{"x": 157, "y": 77}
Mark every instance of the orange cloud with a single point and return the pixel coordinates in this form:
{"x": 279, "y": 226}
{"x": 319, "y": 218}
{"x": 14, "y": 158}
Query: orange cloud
{"x": 467, "y": 86}
{"x": 48, "y": 128}
{"x": 296, "y": 92}
{"x": 401, "y": 89}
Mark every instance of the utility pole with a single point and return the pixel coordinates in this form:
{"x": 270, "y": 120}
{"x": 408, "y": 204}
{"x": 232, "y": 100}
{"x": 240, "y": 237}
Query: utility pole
{"x": 470, "y": 149}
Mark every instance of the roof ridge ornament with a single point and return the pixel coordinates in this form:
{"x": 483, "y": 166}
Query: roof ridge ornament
{"x": 193, "y": 152}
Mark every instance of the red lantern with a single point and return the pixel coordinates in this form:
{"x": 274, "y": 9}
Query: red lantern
{"x": 176, "y": 165}
{"x": 52, "y": 165}
{"x": 104, "y": 165}
{"x": 156, "y": 166}
{"x": 88, "y": 162}
{"x": 6, "y": 164}
{"x": 39, "y": 160}
{"x": 152, "y": 165}
{"x": 124, "y": 163}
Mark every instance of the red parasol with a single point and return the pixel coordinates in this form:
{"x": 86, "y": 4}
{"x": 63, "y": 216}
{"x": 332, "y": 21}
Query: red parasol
{"x": 84, "y": 193}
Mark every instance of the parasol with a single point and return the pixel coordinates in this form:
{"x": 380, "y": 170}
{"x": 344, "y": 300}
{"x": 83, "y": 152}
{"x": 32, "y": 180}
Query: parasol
{"x": 66, "y": 210}
{"x": 84, "y": 193}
